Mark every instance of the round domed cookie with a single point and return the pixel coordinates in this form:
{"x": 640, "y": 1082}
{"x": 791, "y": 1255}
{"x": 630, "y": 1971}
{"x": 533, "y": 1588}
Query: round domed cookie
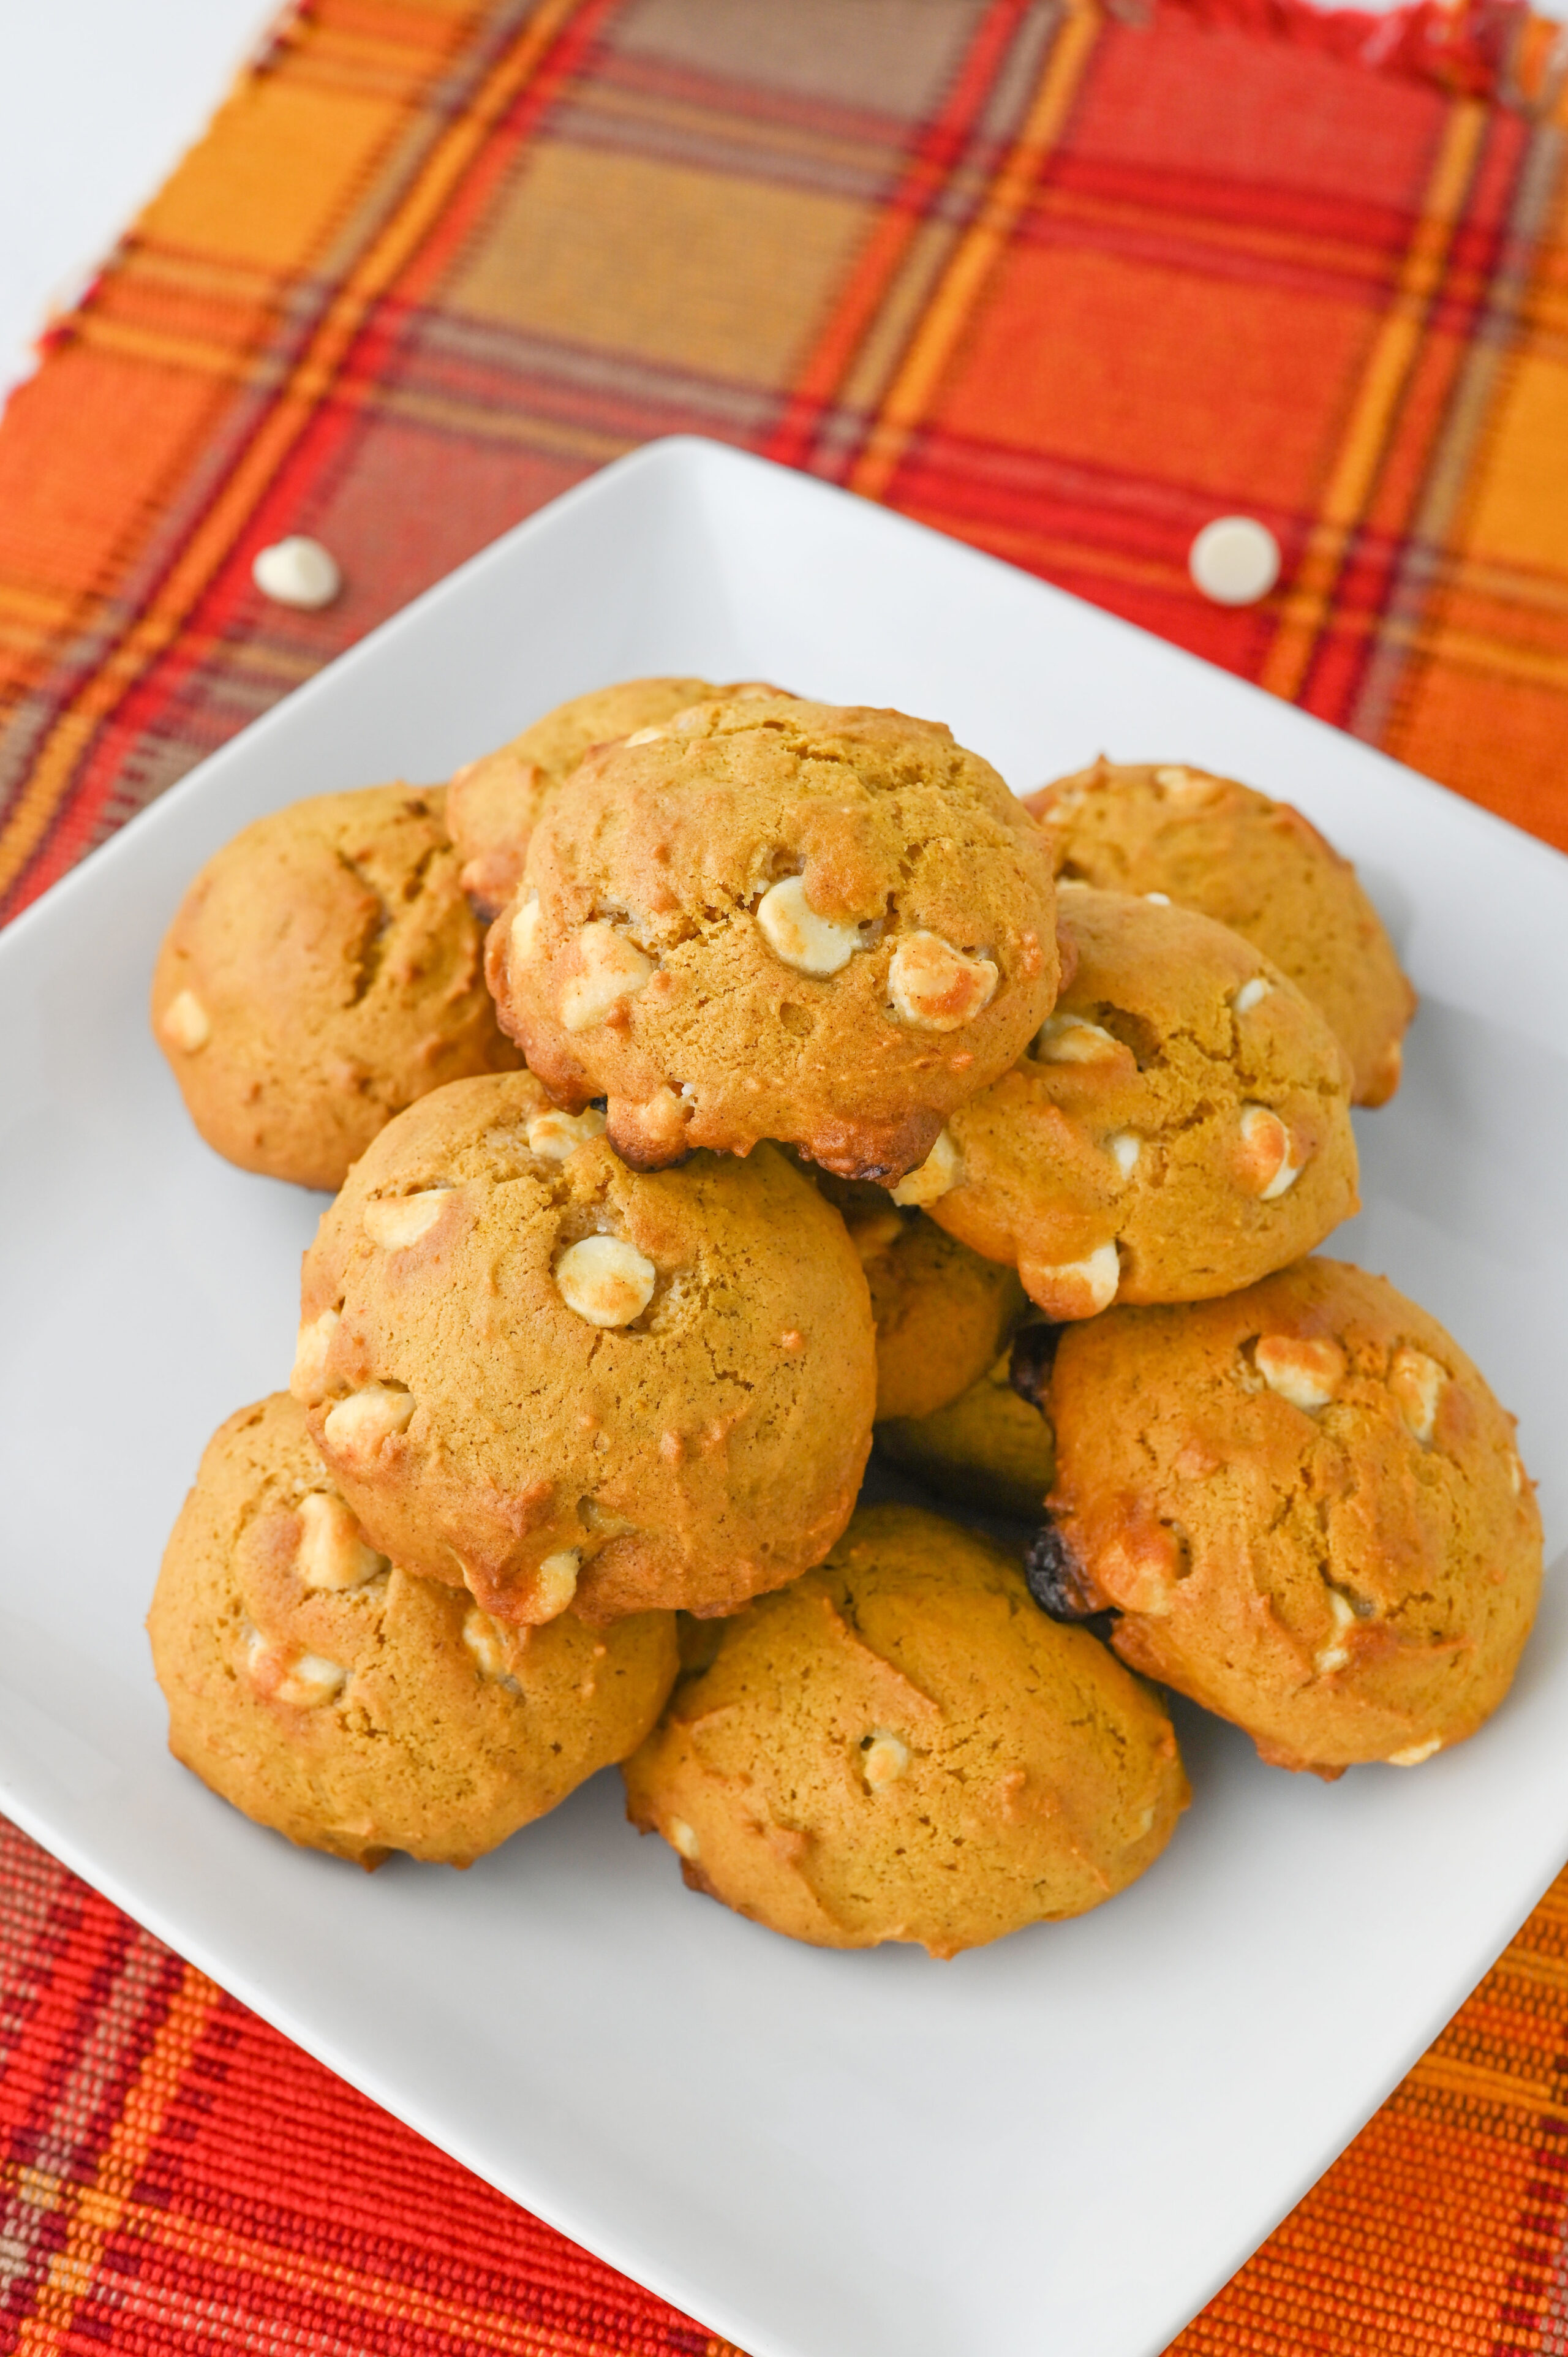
{"x": 1255, "y": 864}
{"x": 493, "y": 804}
{"x": 560, "y": 1381}
{"x": 1307, "y": 1508}
{"x": 899, "y": 1747}
{"x": 784, "y": 919}
{"x": 353, "y": 1707}
{"x": 991, "y": 1448}
{"x": 322, "y": 972}
{"x": 1180, "y": 1125}
{"x": 942, "y": 1312}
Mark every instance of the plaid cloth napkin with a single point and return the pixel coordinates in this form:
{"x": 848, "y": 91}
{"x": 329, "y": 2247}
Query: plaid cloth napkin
{"x": 1066, "y": 282}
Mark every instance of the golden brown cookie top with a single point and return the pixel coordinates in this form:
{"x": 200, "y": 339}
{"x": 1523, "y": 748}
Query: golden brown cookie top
{"x": 1179, "y": 1125}
{"x": 1257, "y": 866}
{"x": 352, "y": 1706}
{"x": 493, "y": 804}
{"x": 818, "y": 924}
{"x": 1308, "y": 1508}
{"x": 991, "y": 1448}
{"x": 901, "y": 1746}
{"x": 560, "y": 1381}
{"x": 323, "y": 971}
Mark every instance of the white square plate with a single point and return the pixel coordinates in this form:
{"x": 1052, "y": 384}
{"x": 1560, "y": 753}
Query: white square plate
{"x": 1065, "y": 2142}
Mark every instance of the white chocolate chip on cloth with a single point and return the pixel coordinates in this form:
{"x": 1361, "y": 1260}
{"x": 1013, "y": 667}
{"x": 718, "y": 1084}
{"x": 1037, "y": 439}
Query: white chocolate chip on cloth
{"x": 493, "y": 804}
{"x": 355, "y": 1707}
{"x": 581, "y": 1387}
{"x": 1255, "y": 864}
{"x": 1174, "y": 1132}
{"x": 901, "y": 1746}
{"x": 773, "y": 919}
{"x": 1303, "y": 1502}
{"x": 323, "y": 970}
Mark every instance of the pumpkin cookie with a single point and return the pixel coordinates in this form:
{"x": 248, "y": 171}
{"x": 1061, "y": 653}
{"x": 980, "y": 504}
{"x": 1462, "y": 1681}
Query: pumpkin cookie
{"x": 779, "y": 919}
{"x": 559, "y": 1382}
{"x": 323, "y": 971}
{"x": 941, "y": 1312}
{"x": 900, "y": 1747}
{"x": 1254, "y": 865}
{"x": 493, "y": 804}
{"x": 357, "y": 1708}
{"x": 1305, "y": 1506}
{"x": 1180, "y": 1125}
{"x": 991, "y": 1448}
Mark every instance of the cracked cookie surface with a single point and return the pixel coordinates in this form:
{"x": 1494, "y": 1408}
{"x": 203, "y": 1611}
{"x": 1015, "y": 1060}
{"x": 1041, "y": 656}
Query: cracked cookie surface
{"x": 1307, "y": 1508}
{"x": 323, "y": 971}
{"x": 565, "y": 1383}
{"x": 1255, "y": 864}
{"x": 493, "y": 804}
{"x": 352, "y": 1706}
{"x": 901, "y": 1746}
{"x": 1180, "y": 1126}
{"x": 942, "y": 1312}
{"x": 779, "y": 919}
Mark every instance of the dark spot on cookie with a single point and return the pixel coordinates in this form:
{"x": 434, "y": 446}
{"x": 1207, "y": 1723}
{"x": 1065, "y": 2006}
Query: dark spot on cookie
{"x": 1055, "y": 1580}
{"x": 1034, "y": 1355}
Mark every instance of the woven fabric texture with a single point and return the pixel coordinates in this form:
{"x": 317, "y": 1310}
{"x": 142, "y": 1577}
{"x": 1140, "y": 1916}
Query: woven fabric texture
{"x": 1065, "y": 282}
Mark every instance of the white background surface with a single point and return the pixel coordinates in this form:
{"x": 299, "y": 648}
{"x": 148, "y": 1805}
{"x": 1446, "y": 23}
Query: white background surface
{"x": 817, "y": 2155}
{"x": 98, "y": 99}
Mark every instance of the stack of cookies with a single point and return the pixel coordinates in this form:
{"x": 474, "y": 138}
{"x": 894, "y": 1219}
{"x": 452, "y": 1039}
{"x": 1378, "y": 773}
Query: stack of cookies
{"x": 714, "y": 1080}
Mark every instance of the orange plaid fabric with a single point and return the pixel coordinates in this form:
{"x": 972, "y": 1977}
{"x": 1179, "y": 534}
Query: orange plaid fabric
{"x": 1063, "y": 282}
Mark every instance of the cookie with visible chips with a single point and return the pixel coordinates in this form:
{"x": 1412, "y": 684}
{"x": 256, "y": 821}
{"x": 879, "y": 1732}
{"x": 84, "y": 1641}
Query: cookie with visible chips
{"x": 1306, "y": 1508}
{"x": 323, "y": 971}
{"x": 561, "y": 1383}
{"x": 1255, "y": 864}
{"x": 902, "y": 1746}
{"x": 1180, "y": 1126}
{"x": 356, "y": 1708}
{"x": 779, "y": 919}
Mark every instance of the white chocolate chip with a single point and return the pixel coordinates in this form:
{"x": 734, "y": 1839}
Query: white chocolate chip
{"x": 605, "y": 1280}
{"x": 297, "y": 572}
{"x": 492, "y": 1647}
{"x": 941, "y": 1170}
{"x": 682, "y": 1838}
{"x": 613, "y": 970}
{"x": 557, "y": 1583}
{"x": 394, "y": 1221}
{"x": 1125, "y": 1149}
{"x": 645, "y": 735}
{"x": 1250, "y": 994}
{"x": 1417, "y": 1384}
{"x": 1414, "y": 1753}
{"x": 186, "y": 1023}
{"x": 1186, "y": 785}
{"x": 1308, "y": 1371}
{"x": 1074, "y": 1288}
{"x": 523, "y": 931}
{"x": 332, "y": 1553}
{"x": 1160, "y": 900}
{"x": 1073, "y": 1039}
{"x": 1235, "y": 560}
{"x": 358, "y": 1427}
{"x": 303, "y": 1680}
{"x": 935, "y": 986}
{"x": 1267, "y": 1168}
{"x": 1516, "y": 1472}
{"x": 1336, "y": 1654}
{"x": 555, "y": 1137}
{"x": 794, "y": 931}
{"x": 309, "y": 1377}
{"x": 883, "y": 1759}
